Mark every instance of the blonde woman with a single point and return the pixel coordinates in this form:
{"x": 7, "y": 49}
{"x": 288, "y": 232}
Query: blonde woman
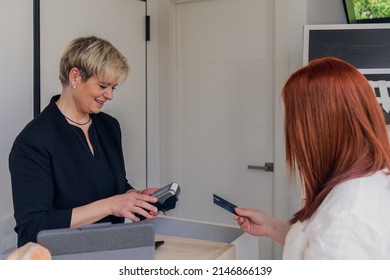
{"x": 67, "y": 165}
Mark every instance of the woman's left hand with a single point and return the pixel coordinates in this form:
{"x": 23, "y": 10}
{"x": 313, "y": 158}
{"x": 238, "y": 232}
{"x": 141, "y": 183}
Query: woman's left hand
{"x": 149, "y": 191}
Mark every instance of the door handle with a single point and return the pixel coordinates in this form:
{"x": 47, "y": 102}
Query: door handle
{"x": 268, "y": 167}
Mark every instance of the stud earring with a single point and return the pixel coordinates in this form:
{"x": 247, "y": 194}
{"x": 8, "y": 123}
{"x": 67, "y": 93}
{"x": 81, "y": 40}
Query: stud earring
{"x": 73, "y": 85}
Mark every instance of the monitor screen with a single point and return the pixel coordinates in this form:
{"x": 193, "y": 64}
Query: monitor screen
{"x": 366, "y": 11}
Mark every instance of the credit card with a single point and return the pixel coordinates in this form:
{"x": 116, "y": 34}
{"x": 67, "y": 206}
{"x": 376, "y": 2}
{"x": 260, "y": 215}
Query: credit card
{"x": 224, "y": 204}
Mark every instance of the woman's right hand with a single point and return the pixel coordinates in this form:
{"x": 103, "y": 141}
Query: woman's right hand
{"x": 258, "y": 223}
{"x": 127, "y": 204}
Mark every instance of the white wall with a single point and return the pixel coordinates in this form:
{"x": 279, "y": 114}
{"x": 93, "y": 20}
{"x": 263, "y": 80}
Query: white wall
{"x": 16, "y": 80}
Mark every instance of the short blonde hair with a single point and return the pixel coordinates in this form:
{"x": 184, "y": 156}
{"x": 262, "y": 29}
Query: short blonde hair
{"x": 93, "y": 56}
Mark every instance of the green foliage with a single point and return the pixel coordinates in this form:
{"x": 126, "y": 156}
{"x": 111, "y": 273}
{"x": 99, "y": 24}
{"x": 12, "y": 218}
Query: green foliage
{"x": 366, "y": 9}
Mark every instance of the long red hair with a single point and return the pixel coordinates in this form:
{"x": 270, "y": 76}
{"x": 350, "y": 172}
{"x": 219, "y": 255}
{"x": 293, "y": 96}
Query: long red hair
{"x": 334, "y": 129}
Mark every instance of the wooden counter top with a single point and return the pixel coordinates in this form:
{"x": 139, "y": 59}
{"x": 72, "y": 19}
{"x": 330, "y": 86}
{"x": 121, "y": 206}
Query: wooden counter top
{"x": 179, "y": 248}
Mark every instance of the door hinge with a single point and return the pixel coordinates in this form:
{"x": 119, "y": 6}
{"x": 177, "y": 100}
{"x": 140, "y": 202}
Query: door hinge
{"x": 147, "y": 28}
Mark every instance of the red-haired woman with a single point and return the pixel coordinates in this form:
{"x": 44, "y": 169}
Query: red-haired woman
{"x": 337, "y": 141}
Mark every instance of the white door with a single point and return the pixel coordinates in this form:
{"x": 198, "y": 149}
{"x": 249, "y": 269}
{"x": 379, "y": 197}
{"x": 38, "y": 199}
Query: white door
{"x": 223, "y": 104}
{"x": 122, "y": 22}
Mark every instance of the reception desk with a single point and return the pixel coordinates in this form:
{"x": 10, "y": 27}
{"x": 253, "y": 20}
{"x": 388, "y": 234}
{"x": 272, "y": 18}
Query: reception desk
{"x": 180, "y": 248}
{"x": 184, "y": 240}
{"x": 196, "y": 240}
